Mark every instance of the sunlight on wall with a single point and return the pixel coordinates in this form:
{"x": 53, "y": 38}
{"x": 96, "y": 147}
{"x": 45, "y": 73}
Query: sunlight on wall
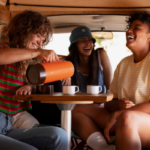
{"x": 59, "y": 43}
{"x": 116, "y": 48}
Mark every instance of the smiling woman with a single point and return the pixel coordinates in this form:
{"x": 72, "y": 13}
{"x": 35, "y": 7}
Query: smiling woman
{"x": 137, "y": 38}
{"x": 83, "y": 47}
{"x": 130, "y": 88}
{"x": 32, "y": 35}
{"x": 92, "y": 67}
{"x": 36, "y": 41}
{"x": 20, "y": 45}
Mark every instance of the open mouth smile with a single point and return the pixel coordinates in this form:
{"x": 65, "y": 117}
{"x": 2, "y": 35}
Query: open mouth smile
{"x": 87, "y": 49}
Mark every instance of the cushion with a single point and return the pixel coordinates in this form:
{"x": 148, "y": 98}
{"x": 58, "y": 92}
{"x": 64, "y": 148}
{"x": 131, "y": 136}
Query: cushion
{"x": 23, "y": 120}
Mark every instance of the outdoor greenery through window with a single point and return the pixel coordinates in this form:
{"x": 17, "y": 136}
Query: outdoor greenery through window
{"x": 115, "y": 48}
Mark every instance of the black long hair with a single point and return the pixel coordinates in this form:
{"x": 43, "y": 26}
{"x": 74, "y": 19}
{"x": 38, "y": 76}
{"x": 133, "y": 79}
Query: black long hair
{"x": 93, "y": 65}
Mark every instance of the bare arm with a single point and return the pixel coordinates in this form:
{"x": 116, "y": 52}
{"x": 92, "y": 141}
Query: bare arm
{"x": 62, "y": 58}
{"x": 144, "y": 107}
{"x": 107, "y": 69}
{"x": 11, "y": 55}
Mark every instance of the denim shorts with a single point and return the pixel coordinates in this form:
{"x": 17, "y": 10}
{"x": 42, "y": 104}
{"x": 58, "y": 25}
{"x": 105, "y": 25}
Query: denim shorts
{"x": 5, "y": 123}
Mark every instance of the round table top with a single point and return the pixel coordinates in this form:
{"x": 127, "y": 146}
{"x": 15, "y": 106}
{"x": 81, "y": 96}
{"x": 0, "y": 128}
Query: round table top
{"x": 78, "y": 98}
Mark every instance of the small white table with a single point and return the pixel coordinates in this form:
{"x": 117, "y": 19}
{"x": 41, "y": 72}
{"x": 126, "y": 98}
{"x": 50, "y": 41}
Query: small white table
{"x": 66, "y": 104}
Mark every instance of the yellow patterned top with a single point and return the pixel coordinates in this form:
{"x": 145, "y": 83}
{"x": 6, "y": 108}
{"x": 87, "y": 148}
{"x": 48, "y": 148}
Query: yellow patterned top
{"x": 132, "y": 80}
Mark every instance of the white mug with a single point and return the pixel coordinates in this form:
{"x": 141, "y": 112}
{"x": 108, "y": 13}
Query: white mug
{"x": 94, "y": 89}
{"x": 70, "y": 90}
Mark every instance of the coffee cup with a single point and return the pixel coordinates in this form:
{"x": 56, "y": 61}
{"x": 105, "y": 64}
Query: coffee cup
{"x": 70, "y": 90}
{"x": 94, "y": 89}
{"x": 45, "y": 89}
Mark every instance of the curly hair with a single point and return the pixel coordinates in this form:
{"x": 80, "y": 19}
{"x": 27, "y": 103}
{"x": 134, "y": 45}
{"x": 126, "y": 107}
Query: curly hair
{"x": 20, "y": 29}
{"x": 143, "y": 16}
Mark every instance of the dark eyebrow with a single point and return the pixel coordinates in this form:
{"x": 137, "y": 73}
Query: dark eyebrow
{"x": 137, "y": 25}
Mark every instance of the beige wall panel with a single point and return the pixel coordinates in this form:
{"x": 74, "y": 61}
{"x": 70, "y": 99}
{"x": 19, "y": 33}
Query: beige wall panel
{"x": 4, "y": 16}
{"x": 87, "y": 3}
{"x": 58, "y": 11}
{"x": 3, "y": 7}
{"x": 3, "y": 2}
{"x": 1, "y": 26}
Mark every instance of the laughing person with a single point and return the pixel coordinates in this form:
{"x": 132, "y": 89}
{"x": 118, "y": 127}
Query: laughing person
{"x": 92, "y": 67}
{"x": 131, "y": 84}
{"x": 20, "y": 44}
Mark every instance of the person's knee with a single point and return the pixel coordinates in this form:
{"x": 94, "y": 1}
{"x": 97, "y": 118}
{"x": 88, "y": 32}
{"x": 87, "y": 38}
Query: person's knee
{"x": 126, "y": 120}
{"x": 60, "y": 134}
{"x": 59, "y": 137}
{"x": 54, "y": 138}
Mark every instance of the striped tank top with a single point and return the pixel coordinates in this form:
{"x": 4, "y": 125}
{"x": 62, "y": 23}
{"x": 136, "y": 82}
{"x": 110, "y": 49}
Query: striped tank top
{"x": 132, "y": 80}
{"x": 10, "y": 81}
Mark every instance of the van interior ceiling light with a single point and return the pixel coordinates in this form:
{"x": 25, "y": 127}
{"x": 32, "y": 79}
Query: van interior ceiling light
{"x": 98, "y": 18}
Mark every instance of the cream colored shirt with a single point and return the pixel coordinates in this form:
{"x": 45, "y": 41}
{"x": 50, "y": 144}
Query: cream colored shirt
{"x": 132, "y": 80}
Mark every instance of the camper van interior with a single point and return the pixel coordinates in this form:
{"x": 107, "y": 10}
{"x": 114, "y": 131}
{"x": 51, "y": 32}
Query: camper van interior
{"x": 108, "y": 16}
{"x": 106, "y": 19}
{"x": 107, "y": 29}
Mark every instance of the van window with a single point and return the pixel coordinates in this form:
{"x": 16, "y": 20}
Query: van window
{"x": 115, "y": 48}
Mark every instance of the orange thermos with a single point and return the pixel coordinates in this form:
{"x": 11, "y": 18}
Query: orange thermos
{"x": 49, "y": 72}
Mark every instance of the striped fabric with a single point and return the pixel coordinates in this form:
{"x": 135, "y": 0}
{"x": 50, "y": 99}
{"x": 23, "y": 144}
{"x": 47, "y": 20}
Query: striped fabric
{"x": 10, "y": 81}
{"x": 132, "y": 80}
